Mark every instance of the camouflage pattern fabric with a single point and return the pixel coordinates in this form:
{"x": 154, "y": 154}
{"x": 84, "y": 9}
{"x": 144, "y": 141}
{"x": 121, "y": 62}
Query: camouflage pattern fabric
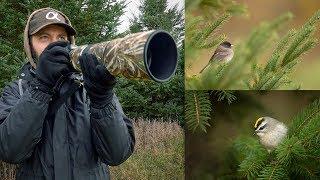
{"x": 120, "y": 56}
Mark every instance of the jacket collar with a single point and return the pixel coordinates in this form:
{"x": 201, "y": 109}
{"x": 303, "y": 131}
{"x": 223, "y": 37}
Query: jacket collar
{"x": 26, "y": 72}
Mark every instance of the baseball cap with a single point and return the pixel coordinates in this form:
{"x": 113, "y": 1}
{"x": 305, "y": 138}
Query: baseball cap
{"x": 47, "y": 17}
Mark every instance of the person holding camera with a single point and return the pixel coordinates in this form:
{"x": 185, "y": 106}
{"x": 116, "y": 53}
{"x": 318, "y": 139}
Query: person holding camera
{"x": 55, "y": 122}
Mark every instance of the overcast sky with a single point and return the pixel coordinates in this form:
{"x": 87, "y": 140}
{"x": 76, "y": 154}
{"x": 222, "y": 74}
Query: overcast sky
{"x": 132, "y": 8}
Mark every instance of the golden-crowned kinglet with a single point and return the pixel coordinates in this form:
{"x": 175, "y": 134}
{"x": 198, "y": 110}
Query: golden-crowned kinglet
{"x": 270, "y": 131}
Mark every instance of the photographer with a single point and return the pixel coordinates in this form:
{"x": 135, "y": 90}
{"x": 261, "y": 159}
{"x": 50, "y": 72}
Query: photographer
{"x": 51, "y": 124}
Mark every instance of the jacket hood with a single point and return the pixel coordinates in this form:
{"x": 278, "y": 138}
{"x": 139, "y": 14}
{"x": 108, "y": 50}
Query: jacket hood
{"x": 27, "y": 47}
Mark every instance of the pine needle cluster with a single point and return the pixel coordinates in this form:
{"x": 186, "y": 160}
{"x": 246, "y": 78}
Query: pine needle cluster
{"x": 285, "y": 56}
{"x": 297, "y": 157}
{"x": 214, "y": 8}
{"x": 197, "y": 110}
{"x": 198, "y": 107}
{"x": 245, "y": 71}
{"x": 203, "y": 30}
{"x": 203, "y": 39}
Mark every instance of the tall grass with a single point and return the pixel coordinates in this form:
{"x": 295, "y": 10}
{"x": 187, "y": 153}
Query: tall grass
{"x": 7, "y": 171}
{"x": 159, "y": 154}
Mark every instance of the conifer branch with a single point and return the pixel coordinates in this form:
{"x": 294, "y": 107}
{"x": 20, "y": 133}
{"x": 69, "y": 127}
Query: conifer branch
{"x": 213, "y": 8}
{"x": 296, "y": 157}
{"x": 245, "y": 70}
{"x": 197, "y": 110}
{"x": 201, "y": 32}
{"x": 226, "y": 95}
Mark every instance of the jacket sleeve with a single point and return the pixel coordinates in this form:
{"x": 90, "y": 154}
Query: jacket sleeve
{"x": 112, "y": 132}
{"x": 21, "y": 121}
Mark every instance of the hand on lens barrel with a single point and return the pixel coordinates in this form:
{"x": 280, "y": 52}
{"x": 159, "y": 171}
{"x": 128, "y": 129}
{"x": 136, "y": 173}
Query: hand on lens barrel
{"x": 54, "y": 62}
{"x": 98, "y": 81}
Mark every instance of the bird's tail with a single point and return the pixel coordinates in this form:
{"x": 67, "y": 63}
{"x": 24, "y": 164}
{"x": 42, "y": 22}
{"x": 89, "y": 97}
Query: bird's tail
{"x": 205, "y": 67}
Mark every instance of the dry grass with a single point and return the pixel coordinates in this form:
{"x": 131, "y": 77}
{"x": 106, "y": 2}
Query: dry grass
{"x": 159, "y": 154}
{"x": 152, "y": 135}
{"x": 7, "y": 171}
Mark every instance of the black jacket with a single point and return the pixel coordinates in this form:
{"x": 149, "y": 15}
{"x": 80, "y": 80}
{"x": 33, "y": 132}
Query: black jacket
{"x": 73, "y": 143}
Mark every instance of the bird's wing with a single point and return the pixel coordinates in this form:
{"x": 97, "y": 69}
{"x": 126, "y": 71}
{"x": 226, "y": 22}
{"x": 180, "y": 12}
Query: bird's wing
{"x": 219, "y": 55}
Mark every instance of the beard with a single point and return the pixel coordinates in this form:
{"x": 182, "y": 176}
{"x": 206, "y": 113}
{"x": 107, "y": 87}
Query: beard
{"x": 34, "y": 55}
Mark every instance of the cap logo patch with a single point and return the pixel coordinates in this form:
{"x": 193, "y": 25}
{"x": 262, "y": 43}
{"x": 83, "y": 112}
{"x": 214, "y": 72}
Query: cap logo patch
{"x": 52, "y": 15}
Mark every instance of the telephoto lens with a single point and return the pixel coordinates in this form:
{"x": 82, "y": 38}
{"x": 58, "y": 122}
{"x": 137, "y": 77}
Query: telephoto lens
{"x": 143, "y": 55}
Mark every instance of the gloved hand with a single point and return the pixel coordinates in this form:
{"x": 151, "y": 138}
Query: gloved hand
{"x": 54, "y": 62}
{"x": 98, "y": 81}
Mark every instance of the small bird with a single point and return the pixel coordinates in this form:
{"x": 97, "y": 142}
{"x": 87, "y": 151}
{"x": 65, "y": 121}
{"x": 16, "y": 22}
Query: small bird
{"x": 270, "y": 131}
{"x": 223, "y": 53}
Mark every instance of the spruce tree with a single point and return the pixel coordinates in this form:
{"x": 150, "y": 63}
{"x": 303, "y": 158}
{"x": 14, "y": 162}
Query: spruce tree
{"x": 156, "y": 14}
{"x": 94, "y": 20}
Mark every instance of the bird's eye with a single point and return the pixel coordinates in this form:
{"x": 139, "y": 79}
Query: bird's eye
{"x": 262, "y": 127}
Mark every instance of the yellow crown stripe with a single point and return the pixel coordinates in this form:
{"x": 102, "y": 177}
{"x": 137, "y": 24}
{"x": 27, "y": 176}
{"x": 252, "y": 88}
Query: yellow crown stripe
{"x": 258, "y": 122}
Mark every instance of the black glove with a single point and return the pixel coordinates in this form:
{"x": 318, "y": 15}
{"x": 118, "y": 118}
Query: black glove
{"x": 98, "y": 81}
{"x": 54, "y": 62}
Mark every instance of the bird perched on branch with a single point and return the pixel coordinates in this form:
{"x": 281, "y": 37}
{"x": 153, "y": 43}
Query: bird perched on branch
{"x": 270, "y": 131}
{"x": 223, "y": 53}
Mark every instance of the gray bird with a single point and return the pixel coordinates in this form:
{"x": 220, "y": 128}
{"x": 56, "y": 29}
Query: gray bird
{"x": 270, "y": 131}
{"x": 223, "y": 53}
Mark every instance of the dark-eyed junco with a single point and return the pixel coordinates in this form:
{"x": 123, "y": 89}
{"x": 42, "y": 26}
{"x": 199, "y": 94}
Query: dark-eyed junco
{"x": 223, "y": 53}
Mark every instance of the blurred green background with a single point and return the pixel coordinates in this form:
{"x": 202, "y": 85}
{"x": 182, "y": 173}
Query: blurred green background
{"x": 307, "y": 73}
{"x": 208, "y": 155}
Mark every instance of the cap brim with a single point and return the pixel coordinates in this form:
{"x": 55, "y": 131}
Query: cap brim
{"x": 69, "y": 29}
